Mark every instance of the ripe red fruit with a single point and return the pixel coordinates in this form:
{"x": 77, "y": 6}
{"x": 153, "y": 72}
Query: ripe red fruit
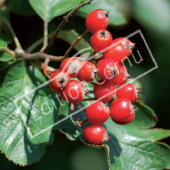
{"x": 95, "y": 134}
{"x": 74, "y": 92}
{"x": 126, "y": 43}
{"x": 100, "y": 40}
{"x": 97, "y": 113}
{"x": 87, "y": 71}
{"x": 107, "y": 69}
{"x": 104, "y": 90}
{"x": 71, "y": 66}
{"x": 97, "y": 20}
{"x": 120, "y": 109}
{"x": 129, "y": 120}
{"x": 59, "y": 80}
{"x": 122, "y": 77}
{"x": 128, "y": 91}
{"x": 117, "y": 52}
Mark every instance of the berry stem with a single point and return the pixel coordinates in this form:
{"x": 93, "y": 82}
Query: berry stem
{"x": 74, "y": 43}
{"x": 39, "y": 65}
{"x": 45, "y": 67}
{"x": 89, "y": 99}
{"x": 53, "y": 71}
{"x": 63, "y": 22}
{"x": 78, "y": 123}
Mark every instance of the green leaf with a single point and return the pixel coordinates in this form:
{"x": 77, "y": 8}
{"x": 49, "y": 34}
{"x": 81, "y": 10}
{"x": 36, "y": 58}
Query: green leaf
{"x": 5, "y": 15}
{"x": 115, "y": 16}
{"x": 24, "y": 113}
{"x": 20, "y": 7}
{"x": 4, "y": 65}
{"x": 132, "y": 146}
{"x": 4, "y": 56}
{"x": 68, "y": 127}
{"x": 6, "y": 38}
{"x": 47, "y": 10}
{"x": 144, "y": 8}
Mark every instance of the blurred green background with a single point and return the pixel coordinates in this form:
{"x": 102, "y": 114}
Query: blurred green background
{"x": 152, "y": 17}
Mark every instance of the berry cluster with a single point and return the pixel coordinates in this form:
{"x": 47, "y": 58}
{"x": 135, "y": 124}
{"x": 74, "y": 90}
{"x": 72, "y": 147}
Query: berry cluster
{"x": 112, "y": 84}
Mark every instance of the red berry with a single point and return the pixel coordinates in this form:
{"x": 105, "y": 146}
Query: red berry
{"x": 74, "y": 92}
{"x": 97, "y": 113}
{"x": 104, "y": 90}
{"x": 129, "y": 120}
{"x": 126, "y": 42}
{"x": 97, "y": 20}
{"x": 120, "y": 109}
{"x": 100, "y": 40}
{"x": 122, "y": 77}
{"x": 95, "y": 134}
{"x": 128, "y": 91}
{"x": 71, "y": 66}
{"x": 107, "y": 69}
{"x": 117, "y": 52}
{"x": 59, "y": 80}
{"x": 87, "y": 71}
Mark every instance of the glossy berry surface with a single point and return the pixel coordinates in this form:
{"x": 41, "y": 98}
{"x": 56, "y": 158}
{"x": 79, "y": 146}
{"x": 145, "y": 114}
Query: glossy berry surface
{"x": 100, "y": 40}
{"x": 127, "y": 121}
{"x": 104, "y": 90}
{"x": 71, "y": 66}
{"x": 122, "y": 77}
{"x": 117, "y": 52}
{"x": 59, "y": 80}
{"x": 97, "y": 113}
{"x": 95, "y": 134}
{"x": 128, "y": 91}
{"x": 126, "y": 43}
{"x": 74, "y": 92}
{"x": 87, "y": 71}
{"x": 120, "y": 109}
{"x": 97, "y": 20}
{"x": 107, "y": 69}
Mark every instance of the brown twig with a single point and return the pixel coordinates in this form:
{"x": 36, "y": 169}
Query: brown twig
{"x": 3, "y": 3}
{"x": 45, "y": 67}
{"x": 63, "y": 22}
{"x": 36, "y": 56}
{"x": 10, "y": 52}
{"x": 74, "y": 43}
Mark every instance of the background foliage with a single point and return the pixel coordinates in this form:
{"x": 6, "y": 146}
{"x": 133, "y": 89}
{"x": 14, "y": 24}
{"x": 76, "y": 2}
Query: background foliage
{"x": 152, "y": 17}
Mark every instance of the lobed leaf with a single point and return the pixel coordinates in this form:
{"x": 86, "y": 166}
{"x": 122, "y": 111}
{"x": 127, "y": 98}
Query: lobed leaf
{"x": 26, "y": 114}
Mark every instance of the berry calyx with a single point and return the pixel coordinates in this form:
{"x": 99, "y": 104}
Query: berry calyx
{"x": 74, "y": 92}
{"x": 104, "y": 90}
{"x": 128, "y": 91}
{"x": 117, "y": 52}
{"x": 59, "y": 80}
{"x": 101, "y": 40}
{"x": 97, "y": 113}
{"x": 71, "y": 66}
{"x": 95, "y": 134}
{"x": 97, "y": 20}
{"x": 122, "y": 77}
{"x": 127, "y": 121}
{"x": 126, "y": 43}
{"x": 107, "y": 69}
{"x": 120, "y": 109}
{"x": 87, "y": 71}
